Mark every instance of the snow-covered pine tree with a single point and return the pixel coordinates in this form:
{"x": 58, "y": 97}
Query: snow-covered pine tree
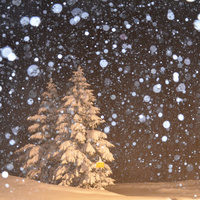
{"x": 36, "y": 157}
{"x": 80, "y": 145}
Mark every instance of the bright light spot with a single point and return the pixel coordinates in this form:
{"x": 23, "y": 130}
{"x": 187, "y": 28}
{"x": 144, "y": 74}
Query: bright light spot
{"x": 107, "y": 129}
{"x": 103, "y": 63}
{"x": 87, "y": 33}
{"x": 35, "y": 21}
{"x": 51, "y": 64}
{"x": 166, "y": 124}
{"x": 187, "y": 61}
{"x": 7, "y": 185}
{"x": 24, "y": 21}
{"x": 197, "y": 24}
{"x": 12, "y": 142}
{"x": 170, "y": 15}
{"x": 147, "y": 98}
{"x": 5, "y": 51}
{"x": 157, "y": 88}
{"x": 113, "y": 123}
{"x": 134, "y": 143}
{"x": 26, "y": 38}
{"x": 142, "y": 118}
{"x": 10, "y": 166}
{"x": 176, "y": 77}
{"x": 33, "y": 70}
{"x": 175, "y": 57}
{"x": 4, "y": 174}
{"x": 190, "y": 0}
{"x": 30, "y": 101}
{"x": 57, "y": 8}
{"x": 84, "y": 15}
{"x": 160, "y": 114}
{"x": 114, "y": 116}
{"x": 181, "y": 117}
{"x": 74, "y": 20}
{"x": 106, "y": 27}
{"x": 12, "y": 57}
{"x": 164, "y": 138}
{"x": 60, "y": 56}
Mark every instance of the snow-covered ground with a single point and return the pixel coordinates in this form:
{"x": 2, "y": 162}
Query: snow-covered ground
{"x": 16, "y": 188}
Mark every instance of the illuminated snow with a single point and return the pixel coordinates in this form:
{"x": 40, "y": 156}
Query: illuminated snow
{"x": 181, "y": 117}
{"x": 170, "y": 15}
{"x": 164, "y": 138}
{"x": 114, "y": 116}
{"x": 87, "y": 33}
{"x": 103, "y": 63}
{"x": 157, "y": 88}
{"x": 26, "y": 38}
{"x": 181, "y": 88}
{"x": 57, "y": 8}
{"x": 24, "y": 21}
{"x": 107, "y": 129}
{"x": 76, "y": 11}
{"x": 142, "y": 118}
{"x": 147, "y": 98}
{"x": 187, "y": 61}
{"x": 197, "y": 24}
{"x": 12, "y": 142}
{"x": 16, "y": 2}
{"x": 106, "y": 27}
{"x": 6, "y": 51}
{"x": 84, "y": 15}
{"x": 30, "y": 101}
{"x": 166, "y": 124}
{"x": 74, "y": 20}
{"x": 35, "y": 21}
{"x": 12, "y": 57}
{"x": 153, "y": 49}
{"x": 176, "y": 77}
{"x": 4, "y": 174}
{"x": 33, "y": 70}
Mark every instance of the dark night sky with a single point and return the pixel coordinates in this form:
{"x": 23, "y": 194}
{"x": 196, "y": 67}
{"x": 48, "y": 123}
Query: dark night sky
{"x": 144, "y": 43}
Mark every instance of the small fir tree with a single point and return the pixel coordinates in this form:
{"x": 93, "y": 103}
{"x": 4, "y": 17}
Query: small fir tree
{"x": 80, "y": 146}
{"x": 37, "y": 156}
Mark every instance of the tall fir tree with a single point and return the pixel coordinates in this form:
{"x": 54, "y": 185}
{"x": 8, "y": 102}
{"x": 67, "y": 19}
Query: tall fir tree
{"x": 37, "y": 156}
{"x": 80, "y": 146}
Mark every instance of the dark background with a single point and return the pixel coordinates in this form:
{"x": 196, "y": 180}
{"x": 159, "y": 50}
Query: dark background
{"x": 150, "y": 159}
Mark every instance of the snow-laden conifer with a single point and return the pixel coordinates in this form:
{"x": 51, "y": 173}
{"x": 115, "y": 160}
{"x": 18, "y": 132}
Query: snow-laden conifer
{"x": 80, "y": 145}
{"x": 37, "y": 156}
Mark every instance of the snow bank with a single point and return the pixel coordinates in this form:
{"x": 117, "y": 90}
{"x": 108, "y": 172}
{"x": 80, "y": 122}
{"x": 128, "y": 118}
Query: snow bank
{"x": 16, "y": 188}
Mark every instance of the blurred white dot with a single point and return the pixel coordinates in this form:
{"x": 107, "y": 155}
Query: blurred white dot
{"x": 57, "y": 8}
{"x": 181, "y": 117}
{"x": 59, "y": 56}
{"x": 166, "y": 124}
{"x": 35, "y": 21}
{"x": 107, "y": 129}
{"x": 103, "y": 63}
{"x": 87, "y": 33}
{"x": 30, "y": 101}
{"x": 12, "y": 142}
{"x": 4, "y": 174}
{"x": 164, "y": 138}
